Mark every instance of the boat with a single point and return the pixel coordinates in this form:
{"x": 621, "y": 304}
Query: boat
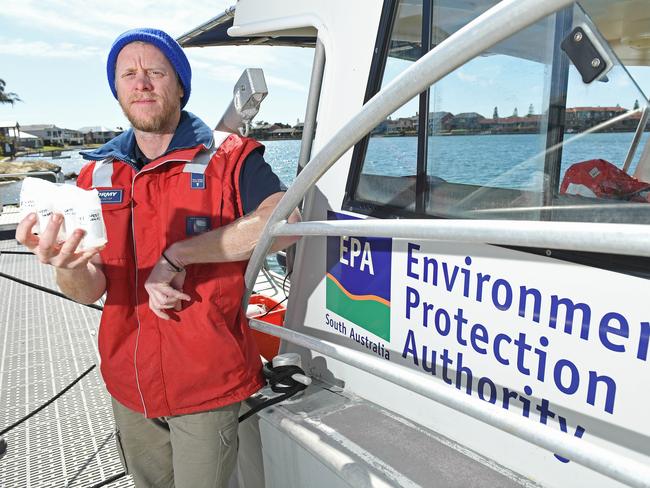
{"x": 478, "y": 325}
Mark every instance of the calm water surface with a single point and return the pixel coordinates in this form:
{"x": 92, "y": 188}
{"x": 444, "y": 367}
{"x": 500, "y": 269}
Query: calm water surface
{"x": 507, "y": 161}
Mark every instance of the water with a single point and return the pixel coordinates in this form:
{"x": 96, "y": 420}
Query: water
{"x": 506, "y": 161}
{"x": 509, "y": 161}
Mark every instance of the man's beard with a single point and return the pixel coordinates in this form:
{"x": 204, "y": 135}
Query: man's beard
{"x": 160, "y": 123}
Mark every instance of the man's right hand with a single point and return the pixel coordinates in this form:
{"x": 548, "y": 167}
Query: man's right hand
{"x": 61, "y": 255}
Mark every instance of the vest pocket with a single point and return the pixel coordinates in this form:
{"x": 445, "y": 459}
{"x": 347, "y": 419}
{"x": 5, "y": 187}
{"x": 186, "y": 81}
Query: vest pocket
{"x": 188, "y": 209}
{"x": 117, "y": 256}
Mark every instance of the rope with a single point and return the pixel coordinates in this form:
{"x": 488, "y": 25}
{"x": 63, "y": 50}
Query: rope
{"x": 286, "y": 297}
{"x": 108, "y": 481}
{"x": 281, "y": 380}
{"x": 47, "y": 290}
{"x": 89, "y": 460}
{"x": 284, "y": 282}
{"x": 273, "y": 308}
{"x": 55, "y": 397}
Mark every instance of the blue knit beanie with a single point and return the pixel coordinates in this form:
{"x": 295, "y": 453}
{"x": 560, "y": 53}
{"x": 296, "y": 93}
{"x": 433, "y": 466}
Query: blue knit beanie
{"x": 163, "y": 41}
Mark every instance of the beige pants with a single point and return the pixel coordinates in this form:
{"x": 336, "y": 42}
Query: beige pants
{"x": 185, "y": 451}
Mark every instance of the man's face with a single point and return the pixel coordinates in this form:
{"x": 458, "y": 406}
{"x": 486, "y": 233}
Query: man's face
{"x": 147, "y": 88}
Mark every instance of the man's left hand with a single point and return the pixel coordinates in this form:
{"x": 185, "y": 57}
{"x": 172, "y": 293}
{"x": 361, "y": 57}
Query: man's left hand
{"x": 165, "y": 288}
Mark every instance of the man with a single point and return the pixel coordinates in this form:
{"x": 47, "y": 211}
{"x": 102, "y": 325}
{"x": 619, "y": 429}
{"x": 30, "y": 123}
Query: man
{"x": 182, "y": 217}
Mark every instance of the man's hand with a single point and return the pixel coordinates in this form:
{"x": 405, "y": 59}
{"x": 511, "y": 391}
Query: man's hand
{"x": 78, "y": 273}
{"x": 61, "y": 255}
{"x": 165, "y": 288}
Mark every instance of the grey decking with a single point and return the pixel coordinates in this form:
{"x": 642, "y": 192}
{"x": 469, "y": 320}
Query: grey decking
{"x": 45, "y": 343}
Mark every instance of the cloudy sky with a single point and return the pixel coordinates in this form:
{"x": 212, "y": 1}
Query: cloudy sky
{"x": 53, "y": 55}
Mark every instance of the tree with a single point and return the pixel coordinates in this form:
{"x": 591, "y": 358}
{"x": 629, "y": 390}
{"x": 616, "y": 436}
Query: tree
{"x": 495, "y": 114}
{"x": 7, "y": 97}
{"x": 636, "y": 105}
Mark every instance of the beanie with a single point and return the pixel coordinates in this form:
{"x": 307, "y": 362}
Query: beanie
{"x": 163, "y": 41}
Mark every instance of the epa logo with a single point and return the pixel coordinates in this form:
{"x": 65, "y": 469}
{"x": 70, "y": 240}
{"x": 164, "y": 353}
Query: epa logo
{"x": 352, "y": 250}
{"x": 358, "y": 280}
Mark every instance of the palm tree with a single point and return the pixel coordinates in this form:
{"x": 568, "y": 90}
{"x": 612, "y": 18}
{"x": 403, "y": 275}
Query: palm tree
{"x": 7, "y": 97}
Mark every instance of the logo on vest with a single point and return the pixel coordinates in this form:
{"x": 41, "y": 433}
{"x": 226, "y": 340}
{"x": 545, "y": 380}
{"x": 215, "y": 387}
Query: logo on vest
{"x": 197, "y": 181}
{"x": 111, "y": 195}
{"x": 196, "y": 225}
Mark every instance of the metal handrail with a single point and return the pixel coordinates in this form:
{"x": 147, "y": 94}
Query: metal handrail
{"x": 32, "y": 173}
{"x": 590, "y": 455}
{"x": 313, "y": 99}
{"x": 637, "y": 138}
{"x": 626, "y": 239}
{"x": 495, "y": 25}
{"x": 29, "y": 173}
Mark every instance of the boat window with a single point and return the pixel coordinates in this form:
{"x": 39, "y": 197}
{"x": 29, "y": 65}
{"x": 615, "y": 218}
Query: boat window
{"x": 515, "y": 133}
{"x": 486, "y": 147}
{"x": 392, "y": 148}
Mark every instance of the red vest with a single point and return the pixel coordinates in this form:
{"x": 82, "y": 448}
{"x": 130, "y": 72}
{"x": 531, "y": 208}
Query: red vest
{"x": 207, "y": 357}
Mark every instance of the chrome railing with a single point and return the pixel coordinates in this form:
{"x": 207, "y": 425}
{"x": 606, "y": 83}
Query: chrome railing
{"x": 56, "y": 178}
{"x": 625, "y": 239}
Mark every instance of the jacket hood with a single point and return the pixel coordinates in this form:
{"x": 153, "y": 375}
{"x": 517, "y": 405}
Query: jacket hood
{"x": 191, "y": 132}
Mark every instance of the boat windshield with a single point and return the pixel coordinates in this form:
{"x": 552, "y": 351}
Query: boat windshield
{"x": 547, "y": 125}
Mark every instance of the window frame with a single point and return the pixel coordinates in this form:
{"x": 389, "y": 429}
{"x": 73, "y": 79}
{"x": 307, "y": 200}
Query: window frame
{"x": 375, "y": 78}
{"x": 631, "y": 265}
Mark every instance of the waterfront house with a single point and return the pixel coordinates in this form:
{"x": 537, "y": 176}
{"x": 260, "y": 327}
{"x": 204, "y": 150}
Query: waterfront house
{"x": 466, "y": 122}
{"x": 402, "y": 126}
{"x": 580, "y": 118}
{"x": 10, "y": 133}
{"x": 298, "y": 129}
{"x": 283, "y": 133}
{"x": 99, "y": 134}
{"x": 53, "y": 135}
{"x": 511, "y": 125}
{"x": 9, "y": 129}
{"x": 29, "y": 141}
{"x": 262, "y": 130}
{"x": 630, "y": 123}
{"x": 439, "y": 122}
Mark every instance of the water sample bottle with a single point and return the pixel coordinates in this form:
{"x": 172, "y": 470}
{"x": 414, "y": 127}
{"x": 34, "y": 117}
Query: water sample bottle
{"x": 89, "y": 218}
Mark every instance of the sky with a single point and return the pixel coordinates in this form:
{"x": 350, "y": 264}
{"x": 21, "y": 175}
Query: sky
{"x": 53, "y": 55}
{"x": 510, "y": 83}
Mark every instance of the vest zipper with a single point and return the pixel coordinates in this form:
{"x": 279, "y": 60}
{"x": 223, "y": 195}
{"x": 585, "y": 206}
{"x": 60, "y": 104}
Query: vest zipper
{"x": 135, "y": 256}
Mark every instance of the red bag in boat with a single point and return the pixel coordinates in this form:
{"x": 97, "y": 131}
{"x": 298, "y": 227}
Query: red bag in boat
{"x": 598, "y": 178}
